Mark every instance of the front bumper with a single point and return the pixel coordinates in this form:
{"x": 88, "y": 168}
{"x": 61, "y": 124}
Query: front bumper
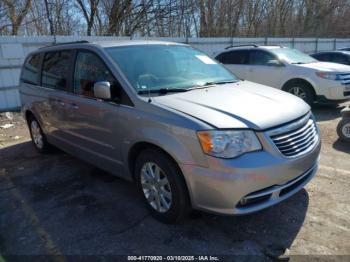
{"x": 260, "y": 179}
{"x": 334, "y": 90}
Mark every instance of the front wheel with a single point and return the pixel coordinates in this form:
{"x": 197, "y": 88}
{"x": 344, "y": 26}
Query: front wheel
{"x": 302, "y": 91}
{"x": 160, "y": 182}
{"x": 343, "y": 130}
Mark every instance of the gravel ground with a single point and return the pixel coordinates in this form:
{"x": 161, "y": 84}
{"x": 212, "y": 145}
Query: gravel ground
{"x": 58, "y": 205}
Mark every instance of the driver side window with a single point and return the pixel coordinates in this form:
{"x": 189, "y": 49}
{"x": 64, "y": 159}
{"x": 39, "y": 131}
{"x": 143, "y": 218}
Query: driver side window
{"x": 89, "y": 69}
{"x": 258, "y": 57}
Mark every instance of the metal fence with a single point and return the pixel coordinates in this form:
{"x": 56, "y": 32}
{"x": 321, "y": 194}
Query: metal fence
{"x": 13, "y": 50}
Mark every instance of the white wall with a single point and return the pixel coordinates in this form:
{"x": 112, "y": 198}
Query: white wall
{"x": 13, "y": 50}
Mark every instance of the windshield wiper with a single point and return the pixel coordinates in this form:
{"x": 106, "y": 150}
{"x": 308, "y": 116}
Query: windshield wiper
{"x": 298, "y": 63}
{"x": 162, "y": 90}
{"x": 175, "y": 90}
{"x": 218, "y": 82}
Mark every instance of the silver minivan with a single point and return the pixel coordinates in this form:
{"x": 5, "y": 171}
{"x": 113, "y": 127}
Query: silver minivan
{"x": 164, "y": 115}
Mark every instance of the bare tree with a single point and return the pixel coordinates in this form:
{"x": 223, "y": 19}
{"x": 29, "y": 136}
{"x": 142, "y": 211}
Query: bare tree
{"x": 177, "y": 18}
{"x": 89, "y": 11}
{"x": 17, "y": 10}
{"x": 49, "y": 17}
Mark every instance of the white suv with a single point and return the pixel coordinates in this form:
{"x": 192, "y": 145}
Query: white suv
{"x": 290, "y": 70}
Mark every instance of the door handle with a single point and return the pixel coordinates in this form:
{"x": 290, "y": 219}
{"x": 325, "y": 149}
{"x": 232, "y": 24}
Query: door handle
{"x": 60, "y": 102}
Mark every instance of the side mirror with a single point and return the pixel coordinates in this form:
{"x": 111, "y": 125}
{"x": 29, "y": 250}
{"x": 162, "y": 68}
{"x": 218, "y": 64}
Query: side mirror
{"x": 102, "y": 90}
{"x": 274, "y": 63}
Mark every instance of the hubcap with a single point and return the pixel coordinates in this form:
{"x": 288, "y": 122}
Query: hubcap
{"x": 297, "y": 91}
{"x": 346, "y": 130}
{"x": 156, "y": 187}
{"x": 36, "y": 134}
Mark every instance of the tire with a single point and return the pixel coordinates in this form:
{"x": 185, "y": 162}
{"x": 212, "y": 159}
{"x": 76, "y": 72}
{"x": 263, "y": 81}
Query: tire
{"x": 301, "y": 90}
{"x": 166, "y": 197}
{"x": 38, "y": 137}
{"x": 343, "y": 126}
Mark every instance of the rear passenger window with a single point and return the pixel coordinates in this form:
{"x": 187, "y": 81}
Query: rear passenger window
{"x": 55, "y": 73}
{"x": 31, "y": 69}
{"x": 233, "y": 57}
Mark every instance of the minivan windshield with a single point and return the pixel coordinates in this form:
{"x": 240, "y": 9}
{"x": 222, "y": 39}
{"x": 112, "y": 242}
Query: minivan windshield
{"x": 292, "y": 56}
{"x": 174, "y": 68}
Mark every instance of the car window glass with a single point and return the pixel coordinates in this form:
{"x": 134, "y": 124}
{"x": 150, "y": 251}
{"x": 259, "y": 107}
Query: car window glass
{"x": 233, "y": 57}
{"x": 90, "y": 69}
{"x": 31, "y": 70}
{"x": 55, "y": 72}
{"x": 322, "y": 57}
{"x": 158, "y": 67}
{"x": 338, "y": 58}
{"x": 258, "y": 57}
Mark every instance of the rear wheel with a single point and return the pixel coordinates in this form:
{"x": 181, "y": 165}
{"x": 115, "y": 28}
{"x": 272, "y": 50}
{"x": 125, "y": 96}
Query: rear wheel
{"x": 38, "y": 138}
{"x": 301, "y": 90}
{"x": 162, "y": 186}
{"x": 343, "y": 130}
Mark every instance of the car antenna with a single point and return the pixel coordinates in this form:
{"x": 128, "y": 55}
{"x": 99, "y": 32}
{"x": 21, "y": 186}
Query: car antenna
{"x": 149, "y": 94}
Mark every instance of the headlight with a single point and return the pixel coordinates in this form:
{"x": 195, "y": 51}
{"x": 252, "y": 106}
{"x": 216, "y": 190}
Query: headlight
{"x": 228, "y": 143}
{"x": 328, "y": 75}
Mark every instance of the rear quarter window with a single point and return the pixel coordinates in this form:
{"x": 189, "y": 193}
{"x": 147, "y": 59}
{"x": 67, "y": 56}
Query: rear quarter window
{"x": 31, "y": 69}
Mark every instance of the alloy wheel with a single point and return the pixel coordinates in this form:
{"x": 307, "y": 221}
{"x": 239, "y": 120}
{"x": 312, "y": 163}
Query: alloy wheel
{"x": 156, "y": 187}
{"x": 299, "y": 92}
{"x": 346, "y": 130}
{"x": 36, "y": 134}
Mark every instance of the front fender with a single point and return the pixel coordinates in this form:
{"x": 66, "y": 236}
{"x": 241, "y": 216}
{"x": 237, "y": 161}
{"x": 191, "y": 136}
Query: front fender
{"x": 301, "y": 77}
{"x": 180, "y": 143}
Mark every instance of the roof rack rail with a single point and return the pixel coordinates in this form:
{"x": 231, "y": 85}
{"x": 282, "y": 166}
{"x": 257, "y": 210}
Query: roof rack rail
{"x": 232, "y": 46}
{"x": 282, "y": 46}
{"x": 67, "y": 43}
{"x": 254, "y": 45}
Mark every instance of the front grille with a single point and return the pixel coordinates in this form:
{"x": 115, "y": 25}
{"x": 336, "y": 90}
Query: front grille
{"x": 344, "y": 78}
{"x": 299, "y": 140}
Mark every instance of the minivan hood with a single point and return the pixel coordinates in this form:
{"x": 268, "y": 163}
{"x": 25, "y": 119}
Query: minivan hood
{"x": 327, "y": 67}
{"x": 237, "y": 105}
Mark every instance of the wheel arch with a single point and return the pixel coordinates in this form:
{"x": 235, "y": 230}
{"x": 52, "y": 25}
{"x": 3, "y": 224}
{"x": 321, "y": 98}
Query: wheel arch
{"x": 28, "y": 114}
{"x": 136, "y": 150}
{"x": 299, "y": 80}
